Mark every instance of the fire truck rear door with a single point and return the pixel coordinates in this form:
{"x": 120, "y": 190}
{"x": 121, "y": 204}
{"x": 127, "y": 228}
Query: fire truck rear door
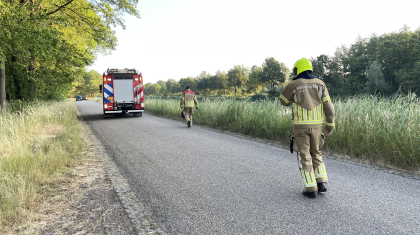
{"x": 123, "y": 90}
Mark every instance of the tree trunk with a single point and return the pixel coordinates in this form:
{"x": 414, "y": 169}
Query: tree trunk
{"x": 32, "y": 89}
{"x": 14, "y": 85}
{"x": 31, "y": 70}
{"x": 3, "y": 86}
{"x": 31, "y": 67}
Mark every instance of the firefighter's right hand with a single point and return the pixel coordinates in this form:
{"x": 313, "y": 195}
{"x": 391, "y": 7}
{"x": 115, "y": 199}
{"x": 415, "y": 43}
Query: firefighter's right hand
{"x": 328, "y": 131}
{"x": 196, "y": 107}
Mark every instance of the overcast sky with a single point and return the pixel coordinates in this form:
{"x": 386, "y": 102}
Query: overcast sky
{"x": 180, "y": 38}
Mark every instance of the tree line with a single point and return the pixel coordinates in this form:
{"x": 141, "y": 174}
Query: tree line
{"x": 45, "y": 45}
{"x": 384, "y": 64}
{"x": 379, "y": 64}
{"x": 239, "y": 81}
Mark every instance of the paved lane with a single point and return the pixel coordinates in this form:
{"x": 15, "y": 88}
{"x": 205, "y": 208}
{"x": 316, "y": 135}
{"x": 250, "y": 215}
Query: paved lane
{"x": 199, "y": 181}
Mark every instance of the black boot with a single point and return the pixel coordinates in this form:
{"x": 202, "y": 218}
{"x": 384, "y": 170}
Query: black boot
{"x": 322, "y": 187}
{"x": 189, "y": 123}
{"x": 310, "y": 194}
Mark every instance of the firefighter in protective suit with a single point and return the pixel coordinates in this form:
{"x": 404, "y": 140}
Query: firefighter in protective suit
{"x": 310, "y": 103}
{"x": 188, "y": 101}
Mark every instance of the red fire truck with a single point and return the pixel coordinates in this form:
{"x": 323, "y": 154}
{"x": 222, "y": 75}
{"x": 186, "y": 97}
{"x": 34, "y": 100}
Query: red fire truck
{"x": 122, "y": 92}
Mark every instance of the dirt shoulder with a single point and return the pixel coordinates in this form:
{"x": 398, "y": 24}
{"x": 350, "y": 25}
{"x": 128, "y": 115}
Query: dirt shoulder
{"x": 92, "y": 198}
{"x": 82, "y": 202}
{"x": 87, "y": 204}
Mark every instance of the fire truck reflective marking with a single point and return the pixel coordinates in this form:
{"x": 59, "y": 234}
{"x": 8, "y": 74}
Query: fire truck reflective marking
{"x": 139, "y": 96}
{"x": 107, "y": 92}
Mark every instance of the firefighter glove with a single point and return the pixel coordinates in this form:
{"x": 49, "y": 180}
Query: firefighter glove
{"x": 291, "y": 138}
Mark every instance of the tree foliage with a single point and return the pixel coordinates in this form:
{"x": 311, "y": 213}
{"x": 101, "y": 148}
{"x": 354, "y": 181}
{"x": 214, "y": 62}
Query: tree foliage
{"x": 221, "y": 81}
{"x": 86, "y": 84}
{"x": 238, "y": 77}
{"x": 397, "y": 54}
{"x": 375, "y": 79}
{"x": 189, "y": 81}
{"x": 273, "y": 73}
{"x": 255, "y": 78}
{"x": 203, "y": 82}
{"x": 409, "y": 78}
{"x": 64, "y": 36}
{"x": 172, "y": 86}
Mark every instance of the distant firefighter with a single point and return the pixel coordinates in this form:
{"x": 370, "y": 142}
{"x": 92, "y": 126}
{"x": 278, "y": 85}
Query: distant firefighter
{"x": 187, "y": 104}
{"x": 310, "y": 103}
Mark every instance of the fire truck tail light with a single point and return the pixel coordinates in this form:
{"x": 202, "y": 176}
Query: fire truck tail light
{"x": 105, "y": 106}
{"x": 142, "y": 105}
{"x": 109, "y": 79}
{"x": 104, "y": 79}
{"x": 136, "y": 79}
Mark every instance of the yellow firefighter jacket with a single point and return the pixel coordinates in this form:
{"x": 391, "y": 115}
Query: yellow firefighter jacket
{"x": 188, "y": 100}
{"x": 310, "y": 103}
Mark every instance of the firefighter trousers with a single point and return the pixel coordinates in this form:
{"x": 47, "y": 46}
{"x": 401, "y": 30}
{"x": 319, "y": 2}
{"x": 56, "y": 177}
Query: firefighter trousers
{"x": 307, "y": 144}
{"x": 188, "y": 113}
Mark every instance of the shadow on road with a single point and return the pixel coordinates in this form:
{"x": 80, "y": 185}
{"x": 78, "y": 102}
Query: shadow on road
{"x": 100, "y": 117}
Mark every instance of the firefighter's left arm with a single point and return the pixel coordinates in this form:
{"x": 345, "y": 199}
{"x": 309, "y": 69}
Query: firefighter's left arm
{"x": 328, "y": 110}
{"x": 195, "y": 102}
{"x": 182, "y": 101}
{"x": 286, "y": 97}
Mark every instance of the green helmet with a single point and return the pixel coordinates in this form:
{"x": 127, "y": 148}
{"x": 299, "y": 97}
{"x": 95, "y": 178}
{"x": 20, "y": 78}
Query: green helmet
{"x": 301, "y": 66}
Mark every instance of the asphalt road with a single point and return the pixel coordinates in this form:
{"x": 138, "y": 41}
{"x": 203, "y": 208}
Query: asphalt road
{"x": 199, "y": 181}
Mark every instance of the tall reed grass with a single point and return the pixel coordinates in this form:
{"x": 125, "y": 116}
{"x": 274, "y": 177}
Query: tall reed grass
{"x": 260, "y": 119}
{"x": 381, "y": 130}
{"x": 378, "y": 129}
{"x": 38, "y": 141}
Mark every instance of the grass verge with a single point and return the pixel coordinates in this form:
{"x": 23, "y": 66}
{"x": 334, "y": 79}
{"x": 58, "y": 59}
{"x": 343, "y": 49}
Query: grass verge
{"x": 38, "y": 142}
{"x": 384, "y": 131}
